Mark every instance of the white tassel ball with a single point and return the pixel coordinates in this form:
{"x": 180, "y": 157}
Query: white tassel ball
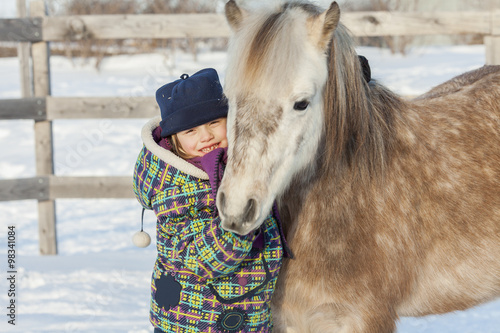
{"x": 141, "y": 239}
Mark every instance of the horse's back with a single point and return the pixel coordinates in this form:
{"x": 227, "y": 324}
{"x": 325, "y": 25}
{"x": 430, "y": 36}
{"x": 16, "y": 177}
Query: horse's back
{"x": 467, "y": 80}
{"x": 462, "y": 115}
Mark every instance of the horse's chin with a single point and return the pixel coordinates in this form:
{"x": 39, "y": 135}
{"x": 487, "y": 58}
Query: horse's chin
{"x": 241, "y": 229}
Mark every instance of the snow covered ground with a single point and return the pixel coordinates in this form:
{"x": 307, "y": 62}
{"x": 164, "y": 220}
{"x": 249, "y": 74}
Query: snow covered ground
{"x": 99, "y": 282}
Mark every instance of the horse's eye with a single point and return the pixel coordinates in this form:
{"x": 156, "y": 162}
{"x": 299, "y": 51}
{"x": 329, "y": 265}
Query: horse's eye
{"x": 301, "y": 105}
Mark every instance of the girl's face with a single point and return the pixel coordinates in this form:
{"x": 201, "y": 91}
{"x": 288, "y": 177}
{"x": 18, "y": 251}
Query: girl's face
{"x": 200, "y": 140}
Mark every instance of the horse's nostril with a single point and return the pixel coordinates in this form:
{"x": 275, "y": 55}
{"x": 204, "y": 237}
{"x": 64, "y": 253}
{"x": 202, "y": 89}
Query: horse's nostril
{"x": 250, "y": 210}
{"x": 222, "y": 201}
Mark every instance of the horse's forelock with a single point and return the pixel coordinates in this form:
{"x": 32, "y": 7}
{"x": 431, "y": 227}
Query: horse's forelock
{"x": 272, "y": 39}
{"x": 261, "y": 45}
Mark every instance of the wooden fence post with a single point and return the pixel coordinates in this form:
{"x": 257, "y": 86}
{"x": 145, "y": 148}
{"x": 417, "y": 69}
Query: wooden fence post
{"x": 43, "y": 138}
{"x": 492, "y": 42}
{"x": 23, "y": 54}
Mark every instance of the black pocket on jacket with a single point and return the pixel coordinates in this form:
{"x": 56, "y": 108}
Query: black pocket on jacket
{"x": 168, "y": 291}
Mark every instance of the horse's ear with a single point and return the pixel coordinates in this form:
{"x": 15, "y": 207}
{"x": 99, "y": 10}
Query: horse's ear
{"x": 329, "y": 20}
{"x": 234, "y": 14}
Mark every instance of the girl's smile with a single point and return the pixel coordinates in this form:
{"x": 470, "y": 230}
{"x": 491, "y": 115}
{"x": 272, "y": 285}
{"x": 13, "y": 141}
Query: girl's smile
{"x": 209, "y": 149}
{"x": 200, "y": 140}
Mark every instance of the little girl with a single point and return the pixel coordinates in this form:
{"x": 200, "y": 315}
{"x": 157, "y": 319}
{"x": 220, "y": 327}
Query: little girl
{"x": 205, "y": 279}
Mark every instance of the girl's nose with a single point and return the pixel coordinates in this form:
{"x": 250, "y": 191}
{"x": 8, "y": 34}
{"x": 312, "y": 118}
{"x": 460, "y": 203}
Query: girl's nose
{"x": 205, "y": 134}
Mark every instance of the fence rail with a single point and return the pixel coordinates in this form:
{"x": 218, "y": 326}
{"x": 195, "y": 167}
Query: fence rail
{"x": 37, "y": 29}
{"x": 57, "y": 187}
{"x": 73, "y": 28}
{"x": 52, "y": 108}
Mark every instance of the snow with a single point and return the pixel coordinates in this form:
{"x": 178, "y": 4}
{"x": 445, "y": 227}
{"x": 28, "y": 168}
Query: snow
{"x": 100, "y": 282}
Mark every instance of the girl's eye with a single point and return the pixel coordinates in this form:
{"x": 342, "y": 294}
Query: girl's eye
{"x": 215, "y": 122}
{"x": 301, "y": 105}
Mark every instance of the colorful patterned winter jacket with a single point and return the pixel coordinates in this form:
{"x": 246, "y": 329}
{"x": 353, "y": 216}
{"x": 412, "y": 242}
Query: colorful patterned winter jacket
{"x": 205, "y": 279}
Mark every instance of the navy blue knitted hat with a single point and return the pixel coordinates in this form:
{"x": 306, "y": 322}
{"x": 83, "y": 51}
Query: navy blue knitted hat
{"x": 190, "y": 101}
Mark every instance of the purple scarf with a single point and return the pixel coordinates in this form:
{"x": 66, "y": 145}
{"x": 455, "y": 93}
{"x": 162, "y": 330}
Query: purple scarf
{"x": 214, "y": 164}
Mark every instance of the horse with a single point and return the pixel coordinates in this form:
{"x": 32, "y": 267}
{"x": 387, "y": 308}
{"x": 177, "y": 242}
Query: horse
{"x": 390, "y": 206}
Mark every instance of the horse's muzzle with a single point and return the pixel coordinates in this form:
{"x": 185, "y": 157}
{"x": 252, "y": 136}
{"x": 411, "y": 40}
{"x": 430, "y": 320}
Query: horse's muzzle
{"x": 240, "y": 222}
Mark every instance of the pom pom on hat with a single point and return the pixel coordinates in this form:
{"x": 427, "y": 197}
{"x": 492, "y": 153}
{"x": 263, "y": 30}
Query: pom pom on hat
{"x": 191, "y": 101}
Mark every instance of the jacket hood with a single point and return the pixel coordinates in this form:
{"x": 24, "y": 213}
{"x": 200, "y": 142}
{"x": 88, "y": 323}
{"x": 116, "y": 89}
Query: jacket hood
{"x": 166, "y": 155}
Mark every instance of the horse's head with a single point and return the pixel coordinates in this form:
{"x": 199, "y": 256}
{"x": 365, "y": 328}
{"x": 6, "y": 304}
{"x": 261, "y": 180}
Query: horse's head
{"x": 274, "y": 83}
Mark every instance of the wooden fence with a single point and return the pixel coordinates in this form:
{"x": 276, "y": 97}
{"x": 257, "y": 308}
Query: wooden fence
{"x": 33, "y": 32}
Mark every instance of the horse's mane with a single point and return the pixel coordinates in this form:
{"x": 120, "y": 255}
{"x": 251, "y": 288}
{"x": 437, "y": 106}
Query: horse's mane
{"x": 359, "y": 116}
